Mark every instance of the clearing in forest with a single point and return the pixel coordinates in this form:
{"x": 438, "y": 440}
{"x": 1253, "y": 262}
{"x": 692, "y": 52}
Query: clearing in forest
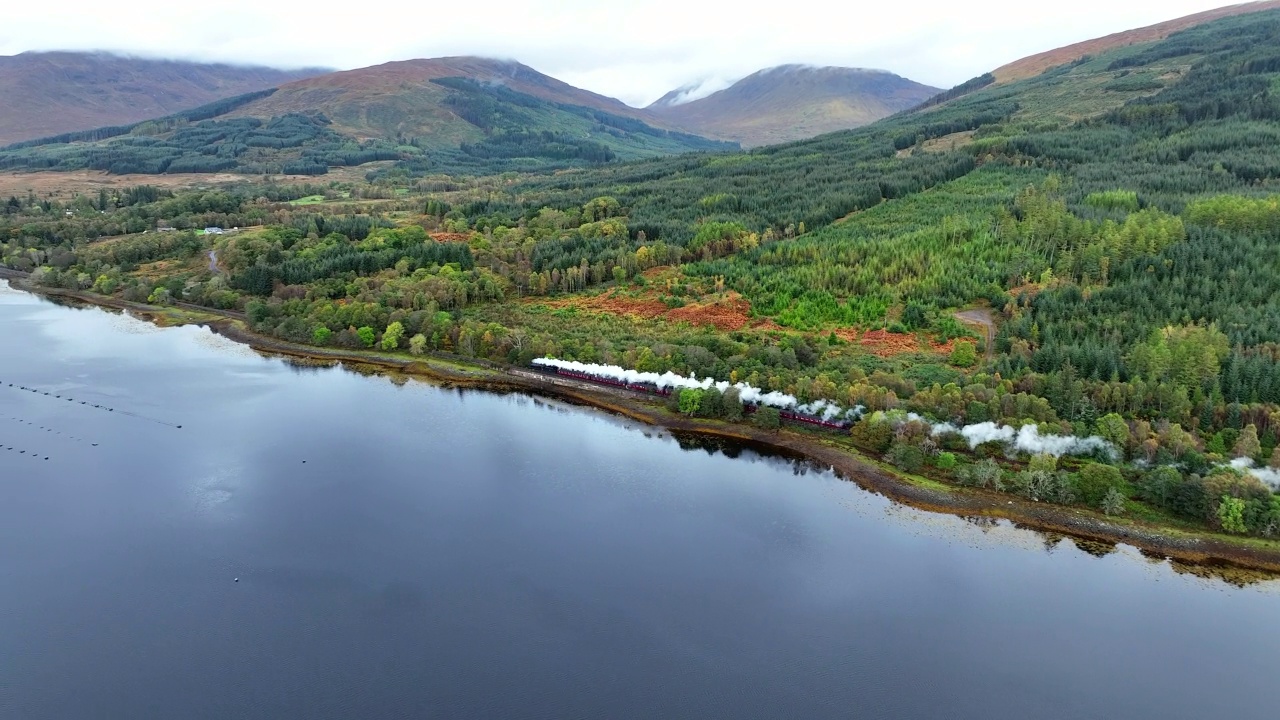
{"x": 726, "y": 311}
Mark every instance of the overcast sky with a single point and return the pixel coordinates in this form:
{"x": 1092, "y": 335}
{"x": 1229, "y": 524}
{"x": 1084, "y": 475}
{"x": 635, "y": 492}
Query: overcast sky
{"x": 635, "y": 51}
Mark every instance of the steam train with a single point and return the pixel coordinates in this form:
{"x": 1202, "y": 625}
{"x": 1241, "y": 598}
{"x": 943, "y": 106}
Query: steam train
{"x": 815, "y": 420}
{"x": 839, "y": 424}
{"x": 649, "y": 388}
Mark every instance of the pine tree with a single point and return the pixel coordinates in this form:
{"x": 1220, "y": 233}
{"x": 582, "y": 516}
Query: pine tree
{"x": 1113, "y": 502}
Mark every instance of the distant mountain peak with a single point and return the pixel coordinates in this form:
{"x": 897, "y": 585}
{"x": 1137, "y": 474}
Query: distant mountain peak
{"x": 789, "y": 102}
{"x": 688, "y": 92}
{"x": 395, "y": 82}
{"x": 806, "y": 67}
{"x": 699, "y": 89}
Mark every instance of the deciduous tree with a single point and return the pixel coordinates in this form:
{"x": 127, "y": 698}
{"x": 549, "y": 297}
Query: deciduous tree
{"x": 767, "y": 418}
{"x": 690, "y": 401}
{"x": 1248, "y": 445}
{"x": 1231, "y": 515}
{"x": 392, "y": 335}
{"x": 1095, "y": 480}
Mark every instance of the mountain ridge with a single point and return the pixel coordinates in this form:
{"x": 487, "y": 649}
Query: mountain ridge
{"x": 50, "y": 93}
{"x": 1033, "y": 65}
{"x": 458, "y": 115}
{"x": 792, "y": 102}
{"x": 376, "y": 83}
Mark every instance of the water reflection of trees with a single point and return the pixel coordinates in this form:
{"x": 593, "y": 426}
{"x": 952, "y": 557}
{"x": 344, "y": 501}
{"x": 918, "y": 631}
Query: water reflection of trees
{"x": 746, "y": 451}
{"x": 1096, "y": 548}
{"x": 1239, "y": 577}
{"x": 983, "y": 522}
{"x": 798, "y": 465}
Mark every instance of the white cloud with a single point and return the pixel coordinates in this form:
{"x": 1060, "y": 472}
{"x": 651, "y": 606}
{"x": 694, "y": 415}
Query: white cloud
{"x": 636, "y": 51}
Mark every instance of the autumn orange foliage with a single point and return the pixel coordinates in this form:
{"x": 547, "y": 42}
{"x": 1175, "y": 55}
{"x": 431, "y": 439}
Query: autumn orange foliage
{"x": 449, "y": 237}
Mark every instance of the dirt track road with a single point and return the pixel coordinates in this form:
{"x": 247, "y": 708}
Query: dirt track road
{"x": 983, "y": 317}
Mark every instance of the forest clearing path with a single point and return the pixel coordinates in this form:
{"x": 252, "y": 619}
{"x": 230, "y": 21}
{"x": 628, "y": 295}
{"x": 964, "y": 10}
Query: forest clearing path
{"x": 983, "y": 317}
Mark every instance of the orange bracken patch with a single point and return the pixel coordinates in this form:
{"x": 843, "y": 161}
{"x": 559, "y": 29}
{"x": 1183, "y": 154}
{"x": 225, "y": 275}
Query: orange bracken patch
{"x": 731, "y": 313}
{"x": 767, "y": 325}
{"x": 1030, "y": 290}
{"x": 608, "y": 304}
{"x": 449, "y": 237}
{"x": 943, "y": 348}
{"x": 883, "y": 343}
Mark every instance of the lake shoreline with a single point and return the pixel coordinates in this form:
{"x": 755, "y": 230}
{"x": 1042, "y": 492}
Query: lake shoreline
{"x": 1202, "y": 552}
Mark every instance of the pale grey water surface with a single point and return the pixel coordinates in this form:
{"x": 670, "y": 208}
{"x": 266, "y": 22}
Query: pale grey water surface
{"x": 405, "y": 551}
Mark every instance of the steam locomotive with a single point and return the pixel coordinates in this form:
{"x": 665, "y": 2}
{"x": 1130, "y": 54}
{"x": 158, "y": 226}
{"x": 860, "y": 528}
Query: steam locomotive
{"x": 649, "y": 388}
{"x": 839, "y": 424}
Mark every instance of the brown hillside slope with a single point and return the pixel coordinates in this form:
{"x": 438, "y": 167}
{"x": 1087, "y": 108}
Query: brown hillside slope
{"x": 1036, "y": 64}
{"x": 793, "y": 102}
{"x": 399, "y": 97}
{"x": 56, "y": 92}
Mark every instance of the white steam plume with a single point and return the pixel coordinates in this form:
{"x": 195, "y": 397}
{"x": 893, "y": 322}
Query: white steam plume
{"x": 1266, "y": 475}
{"x": 670, "y": 381}
{"x": 1026, "y": 439}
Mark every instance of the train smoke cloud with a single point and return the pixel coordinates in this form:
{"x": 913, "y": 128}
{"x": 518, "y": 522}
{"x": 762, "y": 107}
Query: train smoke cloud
{"x": 1266, "y": 475}
{"x": 1026, "y": 439}
{"x": 671, "y": 381}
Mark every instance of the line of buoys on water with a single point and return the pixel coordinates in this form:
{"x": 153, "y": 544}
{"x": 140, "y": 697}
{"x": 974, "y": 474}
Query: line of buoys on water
{"x": 41, "y": 427}
{"x": 85, "y": 403}
{"x": 32, "y": 454}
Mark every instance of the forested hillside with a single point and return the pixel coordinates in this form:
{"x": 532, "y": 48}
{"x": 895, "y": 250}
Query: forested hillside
{"x": 1116, "y": 220}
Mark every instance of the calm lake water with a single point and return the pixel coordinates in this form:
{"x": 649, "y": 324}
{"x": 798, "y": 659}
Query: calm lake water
{"x": 410, "y": 552}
